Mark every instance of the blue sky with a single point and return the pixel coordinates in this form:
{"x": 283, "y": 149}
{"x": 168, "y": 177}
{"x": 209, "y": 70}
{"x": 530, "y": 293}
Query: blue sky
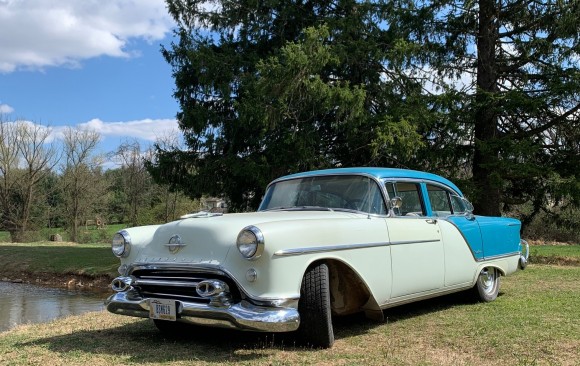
{"x": 89, "y": 63}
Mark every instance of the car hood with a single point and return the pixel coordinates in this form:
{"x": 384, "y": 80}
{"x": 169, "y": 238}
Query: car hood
{"x": 207, "y": 239}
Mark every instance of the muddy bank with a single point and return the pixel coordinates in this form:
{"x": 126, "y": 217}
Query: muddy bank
{"x": 67, "y": 281}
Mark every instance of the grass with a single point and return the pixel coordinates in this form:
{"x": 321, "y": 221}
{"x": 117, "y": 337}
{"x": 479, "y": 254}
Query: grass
{"x": 572, "y": 251}
{"x": 86, "y": 234}
{"x": 93, "y": 258}
{"x": 534, "y": 321}
{"x": 555, "y": 254}
{"x": 58, "y": 258}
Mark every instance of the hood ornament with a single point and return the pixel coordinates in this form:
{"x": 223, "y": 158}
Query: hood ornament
{"x": 175, "y": 244}
{"x": 201, "y": 214}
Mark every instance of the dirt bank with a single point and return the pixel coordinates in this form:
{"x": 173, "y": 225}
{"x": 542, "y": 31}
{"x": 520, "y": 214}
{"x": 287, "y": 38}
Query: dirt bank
{"x": 70, "y": 281}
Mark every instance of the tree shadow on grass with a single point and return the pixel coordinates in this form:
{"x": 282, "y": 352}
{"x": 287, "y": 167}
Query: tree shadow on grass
{"x": 141, "y": 342}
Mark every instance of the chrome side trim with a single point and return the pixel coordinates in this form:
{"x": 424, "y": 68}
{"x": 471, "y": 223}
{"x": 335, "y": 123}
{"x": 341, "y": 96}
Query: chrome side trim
{"x": 423, "y": 296}
{"x": 415, "y": 241}
{"x": 500, "y": 256}
{"x": 328, "y": 248}
{"x": 335, "y": 248}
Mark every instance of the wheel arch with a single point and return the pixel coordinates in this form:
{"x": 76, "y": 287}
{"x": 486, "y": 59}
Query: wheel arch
{"x": 349, "y": 293}
{"x": 481, "y": 266}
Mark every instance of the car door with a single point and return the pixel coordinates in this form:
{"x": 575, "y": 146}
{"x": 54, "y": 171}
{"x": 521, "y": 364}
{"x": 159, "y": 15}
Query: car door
{"x": 460, "y": 232}
{"x": 446, "y": 205}
{"x": 417, "y": 256}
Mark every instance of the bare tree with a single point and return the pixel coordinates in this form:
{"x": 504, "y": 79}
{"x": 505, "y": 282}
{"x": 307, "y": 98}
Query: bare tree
{"x": 135, "y": 178}
{"x": 173, "y": 199}
{"x": 26, "y": 158}
{"x": 81, "y": 188}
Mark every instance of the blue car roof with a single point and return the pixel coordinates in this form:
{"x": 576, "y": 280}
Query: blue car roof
{"x": 379, "y": 173}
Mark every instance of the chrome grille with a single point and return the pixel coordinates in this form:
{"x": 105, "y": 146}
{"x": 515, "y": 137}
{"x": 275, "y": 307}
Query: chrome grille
{"x": 176, "y": 284}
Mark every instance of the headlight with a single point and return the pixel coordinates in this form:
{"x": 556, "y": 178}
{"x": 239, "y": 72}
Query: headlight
{"x": 250, "y": 242}
{"x": 121, "y": 244}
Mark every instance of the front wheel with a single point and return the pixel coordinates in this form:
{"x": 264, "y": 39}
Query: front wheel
{"x": 487, "y": 286}
{"x": 314, "y": 307}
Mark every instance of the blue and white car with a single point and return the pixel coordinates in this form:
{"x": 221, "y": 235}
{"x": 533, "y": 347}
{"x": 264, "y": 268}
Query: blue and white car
{"x": 322, "y": 244}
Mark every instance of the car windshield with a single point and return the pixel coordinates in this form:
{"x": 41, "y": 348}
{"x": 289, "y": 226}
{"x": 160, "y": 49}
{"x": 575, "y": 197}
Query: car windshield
{"x": 337, "y": 192}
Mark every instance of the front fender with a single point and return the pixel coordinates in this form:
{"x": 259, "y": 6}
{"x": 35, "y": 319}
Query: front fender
{"x": 291, "y": 247}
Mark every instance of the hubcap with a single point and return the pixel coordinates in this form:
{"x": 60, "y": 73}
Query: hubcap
{"x": 487, "y": 279}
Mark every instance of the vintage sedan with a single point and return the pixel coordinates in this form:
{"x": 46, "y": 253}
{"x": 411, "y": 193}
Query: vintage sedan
{"x": 322, "y": 244}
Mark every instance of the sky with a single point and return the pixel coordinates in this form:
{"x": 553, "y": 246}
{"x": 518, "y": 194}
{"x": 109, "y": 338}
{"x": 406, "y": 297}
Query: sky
{"x": 88, "y": 63}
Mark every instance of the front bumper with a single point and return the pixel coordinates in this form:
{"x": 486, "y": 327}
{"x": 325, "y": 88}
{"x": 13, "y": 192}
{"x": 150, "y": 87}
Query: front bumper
{"x": 242, "y": 315}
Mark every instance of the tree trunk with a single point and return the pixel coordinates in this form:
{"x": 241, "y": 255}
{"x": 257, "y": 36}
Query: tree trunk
{"x": 485, "y": 175}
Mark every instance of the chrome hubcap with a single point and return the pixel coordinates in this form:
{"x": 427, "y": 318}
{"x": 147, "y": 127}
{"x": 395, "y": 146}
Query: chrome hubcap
{"x": 487, "y": 279}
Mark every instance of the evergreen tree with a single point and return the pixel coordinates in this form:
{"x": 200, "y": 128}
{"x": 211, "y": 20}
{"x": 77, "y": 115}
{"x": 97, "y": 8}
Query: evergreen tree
{"x": 484, "y": 91}
{"x": 273, "y": 87}
{"x": 519, "y": 103}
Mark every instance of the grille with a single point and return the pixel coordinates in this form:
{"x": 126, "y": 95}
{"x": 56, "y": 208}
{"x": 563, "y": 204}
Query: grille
{"x": 178, "y": 285}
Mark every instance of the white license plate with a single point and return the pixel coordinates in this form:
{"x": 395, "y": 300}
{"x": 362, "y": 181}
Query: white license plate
{"x": 162, "y": 309}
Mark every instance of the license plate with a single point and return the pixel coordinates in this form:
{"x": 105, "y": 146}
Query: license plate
{"x": 162, "y": 309}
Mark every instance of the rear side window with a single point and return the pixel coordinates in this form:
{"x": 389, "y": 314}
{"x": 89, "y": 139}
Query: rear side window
{"x": 410, "y": 193}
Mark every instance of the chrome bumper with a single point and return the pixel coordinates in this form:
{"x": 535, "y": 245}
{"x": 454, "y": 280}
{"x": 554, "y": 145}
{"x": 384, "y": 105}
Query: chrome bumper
{"x": 524, "y": 254}
{"x": 242, "y": 316}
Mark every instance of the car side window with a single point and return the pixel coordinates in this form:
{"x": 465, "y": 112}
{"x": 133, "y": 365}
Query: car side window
{"x": 440, "y": 200}
{"x": 410, "y": 193}
{"x": 458, "y": 205}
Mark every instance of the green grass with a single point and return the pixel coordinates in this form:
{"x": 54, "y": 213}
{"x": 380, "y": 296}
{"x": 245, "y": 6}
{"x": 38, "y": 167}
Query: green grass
{"x": 86, "y": 234}
{"x": 572, "y": 251}
{"x": 555, "y": 254}
{"x": 534, "y": 321}
{"x": 58, "y": 258}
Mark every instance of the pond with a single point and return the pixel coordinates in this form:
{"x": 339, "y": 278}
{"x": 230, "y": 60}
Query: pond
{"x": 23, "y": 303}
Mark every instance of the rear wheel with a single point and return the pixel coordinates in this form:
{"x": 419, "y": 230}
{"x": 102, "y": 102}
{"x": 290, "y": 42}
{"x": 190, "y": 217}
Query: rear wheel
{"x": 487, "y": 286}
{"x": 314, "y": 307}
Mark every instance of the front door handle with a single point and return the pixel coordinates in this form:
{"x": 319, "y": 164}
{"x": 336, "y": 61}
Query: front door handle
{"x": 431, "y": 221}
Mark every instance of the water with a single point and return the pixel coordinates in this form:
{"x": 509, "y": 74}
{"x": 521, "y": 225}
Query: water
{"x": 22, "y": 303}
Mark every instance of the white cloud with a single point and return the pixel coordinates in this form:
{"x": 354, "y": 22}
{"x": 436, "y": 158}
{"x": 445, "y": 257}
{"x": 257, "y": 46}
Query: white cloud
{"x": 39, "y": 33}
{"x": 146, "y": 129}
{"x": 6, "y": 109}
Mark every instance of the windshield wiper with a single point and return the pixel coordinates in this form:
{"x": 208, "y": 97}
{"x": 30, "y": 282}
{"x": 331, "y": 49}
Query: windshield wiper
{"x": 300, "y": 208}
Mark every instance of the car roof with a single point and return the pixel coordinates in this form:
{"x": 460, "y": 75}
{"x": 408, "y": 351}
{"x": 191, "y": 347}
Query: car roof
{"x": 378, "y": 173}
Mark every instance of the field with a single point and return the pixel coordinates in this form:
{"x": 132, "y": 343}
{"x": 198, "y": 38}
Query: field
{"x": 87, "y": 234}
{"x": 534, "y": 321}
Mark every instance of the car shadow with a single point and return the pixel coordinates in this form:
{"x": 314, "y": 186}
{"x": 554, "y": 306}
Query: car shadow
{"x": 357, "y": 324}
{"x": 140, "y": 341}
